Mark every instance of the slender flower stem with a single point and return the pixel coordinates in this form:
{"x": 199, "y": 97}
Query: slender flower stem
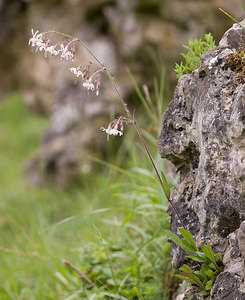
{"x": 132, "y": 119}
{"x": 156, "y": 171}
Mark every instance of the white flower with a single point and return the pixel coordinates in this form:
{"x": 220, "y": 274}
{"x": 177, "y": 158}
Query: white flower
{"x": 52, "y": 50}
{"x": 88, "y": 85}
{"x": 112, "y": 131}
{"x": 76, "y": 72}
{"x": 65, "y": 53}
{"x": 36, "y": 39}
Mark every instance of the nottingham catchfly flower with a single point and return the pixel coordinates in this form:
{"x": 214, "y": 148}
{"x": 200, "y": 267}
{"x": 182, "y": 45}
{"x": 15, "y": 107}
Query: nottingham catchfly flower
{"x": 115, "y": 127}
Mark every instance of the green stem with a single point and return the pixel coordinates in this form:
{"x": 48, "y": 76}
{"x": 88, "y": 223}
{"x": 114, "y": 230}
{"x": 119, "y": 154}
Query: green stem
{"x": 231, "y": 18}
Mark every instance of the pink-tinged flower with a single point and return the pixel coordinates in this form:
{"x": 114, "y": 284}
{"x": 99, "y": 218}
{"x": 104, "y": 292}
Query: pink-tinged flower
{"x": 97, "y": 84}
{"x": 86, "y": 70}
{"x": 111, "y": 131}
{"x": 73, "y": 50}
{"x": 76, "y": 71}
{"x": 36, "y": 38}
{"x": 88, "y": 85}
{"x": 65, "y": 53}
{"x": 113, "y": 127}
{"x": 52, "y": 50}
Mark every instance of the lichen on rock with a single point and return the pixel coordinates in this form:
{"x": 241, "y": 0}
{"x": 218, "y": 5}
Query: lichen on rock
{"x": 203, "y": 135}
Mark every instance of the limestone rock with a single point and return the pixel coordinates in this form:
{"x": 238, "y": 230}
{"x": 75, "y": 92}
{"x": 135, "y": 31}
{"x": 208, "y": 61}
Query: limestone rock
{"x": 203, "y": 135}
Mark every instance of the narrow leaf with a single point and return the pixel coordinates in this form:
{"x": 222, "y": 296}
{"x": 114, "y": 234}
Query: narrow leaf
{"x": 193, "y": 277}
{"x": 219, "y": 257}
{"x": 209, "y": 285}
{"x": 196, "y": 258}
{"x": 180, "y": 242}
{"x": 243, "y": 6}
{"x": 185, "y": 278}
{"x": 186, "y": 234}
{"x": 212, "y": 266}
{"x": 203, "y": 293}
{"x": 210, "y": 274}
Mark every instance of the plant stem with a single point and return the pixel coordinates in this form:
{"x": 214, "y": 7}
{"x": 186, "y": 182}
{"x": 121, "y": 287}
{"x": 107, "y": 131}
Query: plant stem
{"x": 81, "y": 275}
{"x": 228, "y": 15}
{"x": 132, "y": 119}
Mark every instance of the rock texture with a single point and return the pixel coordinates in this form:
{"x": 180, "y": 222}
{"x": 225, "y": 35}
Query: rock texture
{"x": 203, "y": 135}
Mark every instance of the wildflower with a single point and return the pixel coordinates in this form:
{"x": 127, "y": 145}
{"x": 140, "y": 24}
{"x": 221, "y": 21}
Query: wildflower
{"x": 65, "y": 53}
{"x": 76, "y": 71}
{"x": 97, "y": 84}
{"x": 112, "y": 131}
{"x": 114, "y": 125}
{"x": 52, "y": 50}
{"x": 36, "y": 39}
{"x": 89, "y": 85}
{"x": 86, "y": 70}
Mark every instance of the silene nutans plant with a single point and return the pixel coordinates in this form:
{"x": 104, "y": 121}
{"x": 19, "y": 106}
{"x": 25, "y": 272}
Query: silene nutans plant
{"x": 207, "y": 265}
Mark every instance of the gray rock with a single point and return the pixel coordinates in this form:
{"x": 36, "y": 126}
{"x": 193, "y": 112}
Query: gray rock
{"x": 203, "y": 135}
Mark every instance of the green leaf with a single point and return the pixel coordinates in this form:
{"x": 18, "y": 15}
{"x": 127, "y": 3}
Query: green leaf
{"x": 203, "y": 256}
{"x": 210, "y": 274}
{"x": 185, "y": 278}
{"x": 203, "y": 273}
{"x": 180, "y": 242}
{"x": 212, "y": 266}
{"x": 127, "y": 218}
{"x": 209, "y": 253}
{"x": 219, "y": 257}
{"x": 193, "y": 277}
{"x": 203, "y": 293}
{"x": 196, "y": 258}
{"x": 209, "y": 285}
{"x": 243, "y": 6}
{"x": 186, "y": 268}
{"x": 186, "y": 234}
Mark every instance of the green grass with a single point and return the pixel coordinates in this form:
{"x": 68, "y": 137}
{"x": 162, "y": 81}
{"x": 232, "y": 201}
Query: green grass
{"x": 39, "y": 227}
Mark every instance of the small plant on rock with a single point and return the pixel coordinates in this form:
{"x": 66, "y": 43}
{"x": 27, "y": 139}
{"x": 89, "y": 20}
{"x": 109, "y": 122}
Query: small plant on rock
{"x": 207, "y": 264}
{"x": 196, "y": 48}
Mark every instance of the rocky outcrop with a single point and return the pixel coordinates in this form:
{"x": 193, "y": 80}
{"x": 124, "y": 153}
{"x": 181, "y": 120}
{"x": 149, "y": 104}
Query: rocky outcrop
{"x": 203, "y": 135}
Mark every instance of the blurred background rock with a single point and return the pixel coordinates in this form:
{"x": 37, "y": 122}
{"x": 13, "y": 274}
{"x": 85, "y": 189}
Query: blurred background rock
{"x": 146, "y": 35}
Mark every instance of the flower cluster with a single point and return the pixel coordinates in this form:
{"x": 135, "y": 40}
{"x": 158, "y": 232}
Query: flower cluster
{"x": 90, "y": 73}
{"x": 92, "y": 80}
{"x": 116, "y": 126}
{"x": 66, "y": 51}
{"x": 42, "y": 43}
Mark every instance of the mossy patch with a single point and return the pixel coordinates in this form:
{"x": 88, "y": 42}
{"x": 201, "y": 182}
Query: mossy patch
{"x": 236, "y": 62}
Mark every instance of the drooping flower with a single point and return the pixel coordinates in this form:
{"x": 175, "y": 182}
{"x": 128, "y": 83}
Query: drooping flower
{"x": 112, "y": 131}
{"x": 52, "y": 50}
{"x": 36, "y": 39}
{"x": 76, "y": 71}
{"x": 113, "y": 127}
{"x": 97, "y": 84}
{"x": 88, "y": 85}
{"x": 65, "y": 53}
